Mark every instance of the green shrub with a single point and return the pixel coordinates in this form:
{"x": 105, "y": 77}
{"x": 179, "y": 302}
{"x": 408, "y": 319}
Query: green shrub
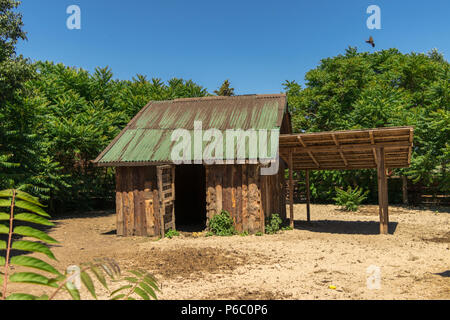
{"x": 172, "y": 233}
{"x": 244, "y": 234}
{"x": 351, "y": 199}
{"x": 259, "y": 234}
{"x": 273, "y": 224}
{"x": 222, "y": 225}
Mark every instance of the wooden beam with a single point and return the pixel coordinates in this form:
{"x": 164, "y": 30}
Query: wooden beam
{"x": 301, "y": 141}
{"x": 387, "y": 130}
{"x": 313, "y": 159}
{"x": 308, "y": 198}
{"x": 382, "y": 193}
{"x": 285, "y": 159}
{"x": 411, "y": 135}
{"x": 336, "y": 142}
{"x": 300, "y": 167}
{"x": 352, "y": 147}
{"x": 372, "y": 141}
{"x": 291, "y": 192}
{"x": 409, "y": 155}
{"x": 309, "y": 152}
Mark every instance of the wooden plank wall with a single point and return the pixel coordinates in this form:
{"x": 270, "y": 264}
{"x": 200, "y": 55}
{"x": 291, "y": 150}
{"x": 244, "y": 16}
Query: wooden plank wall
{"x": 238, "y": 189}
{"x": 245, "y": 194}
{"x": 137, "y": 201}
{"x": 274, "y": 193}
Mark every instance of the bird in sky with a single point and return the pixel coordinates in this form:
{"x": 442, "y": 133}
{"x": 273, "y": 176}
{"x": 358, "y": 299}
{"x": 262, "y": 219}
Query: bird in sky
{"x": 370, "y": 41}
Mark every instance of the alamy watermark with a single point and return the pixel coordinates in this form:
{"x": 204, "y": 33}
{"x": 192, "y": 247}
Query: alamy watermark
{"x": 74, "y": 20}
{"x": 236, "y": 147}
{"x": 374, "y": 20}
{"x": 373, "y": 280}
{"x": 74, "y": 277}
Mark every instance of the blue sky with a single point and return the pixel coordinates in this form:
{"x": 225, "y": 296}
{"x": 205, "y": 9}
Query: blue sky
{"x": 257, "y": 45}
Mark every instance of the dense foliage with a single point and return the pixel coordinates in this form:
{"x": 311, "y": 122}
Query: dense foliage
{"x": 381, "y": 89}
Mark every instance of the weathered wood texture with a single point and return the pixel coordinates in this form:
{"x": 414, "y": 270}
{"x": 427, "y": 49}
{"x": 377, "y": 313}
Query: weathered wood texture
{"x": 382, "y": 192}
{"x": 274, "y": 193}
{"x": 137, "y": 201}
{"x": 245, "y": 194}
{"x": 308, "y": 197}
{"x": 165, "y": 176}
{"x": 291, "y": 191}
{"x": 239, "y": 189}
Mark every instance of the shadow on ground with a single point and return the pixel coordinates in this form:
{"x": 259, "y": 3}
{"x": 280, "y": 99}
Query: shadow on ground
{"x": 79, "y": 215}
{"x": 445, "y": 274}
{"x": 344, "y": 227}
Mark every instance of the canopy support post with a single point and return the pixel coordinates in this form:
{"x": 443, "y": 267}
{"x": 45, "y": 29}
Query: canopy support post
{"x": 291, "y": 192}
{"x": 382, "y": 192}
{"x": 308, "y": 198}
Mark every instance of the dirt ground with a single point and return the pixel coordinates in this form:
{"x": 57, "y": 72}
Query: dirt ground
{"x": 334, "y": 250}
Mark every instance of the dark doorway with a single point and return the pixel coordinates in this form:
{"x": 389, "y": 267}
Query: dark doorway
{"x": 190, "y": 198}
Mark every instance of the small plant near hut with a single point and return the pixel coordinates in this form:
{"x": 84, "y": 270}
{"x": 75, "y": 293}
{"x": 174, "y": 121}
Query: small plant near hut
{"x": 243, "y": 234}
{"x": 222, "y": 224}
{"x": 273, "y": 224}
{"x": 27, "y": 209}
{"x": 259, "y": 234}
{"x": 351, "y": 199}
{"x": 172, "y": 233}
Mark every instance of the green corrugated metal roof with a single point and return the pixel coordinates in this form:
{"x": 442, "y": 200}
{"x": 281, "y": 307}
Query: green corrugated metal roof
{"x": 148, "y": 137}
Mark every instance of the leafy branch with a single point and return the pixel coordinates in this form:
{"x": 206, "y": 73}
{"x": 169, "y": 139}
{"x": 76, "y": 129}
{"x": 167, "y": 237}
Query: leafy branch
{"x": 140, "y": 283}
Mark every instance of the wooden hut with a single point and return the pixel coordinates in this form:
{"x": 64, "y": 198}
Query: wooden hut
{"x": 153, "y": 194}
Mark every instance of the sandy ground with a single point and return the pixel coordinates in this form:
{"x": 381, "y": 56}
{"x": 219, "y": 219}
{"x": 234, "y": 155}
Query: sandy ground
{"x": 334, "y": 250}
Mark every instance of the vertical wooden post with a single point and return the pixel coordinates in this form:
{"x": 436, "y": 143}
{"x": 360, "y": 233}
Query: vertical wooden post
{"x": 382, "y": 192}
{"x": 405, "y": 189}
{"x": 162, "y": 207}
{"x": 291, "y": 192}
{"x": 119, "y": 202}
{"x": 308, "y": 197}
{"x": 172, "y": 173}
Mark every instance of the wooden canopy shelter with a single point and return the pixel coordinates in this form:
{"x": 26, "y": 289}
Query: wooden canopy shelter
{"x": 383, "y": 148}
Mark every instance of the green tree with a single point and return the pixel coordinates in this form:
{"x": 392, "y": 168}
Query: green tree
{"x": 225, "y": 90}
{"x": 19, "y": 108}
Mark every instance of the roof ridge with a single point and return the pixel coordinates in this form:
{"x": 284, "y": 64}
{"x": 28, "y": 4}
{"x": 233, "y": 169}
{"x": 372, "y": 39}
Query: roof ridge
{"x": 209, "y": 98}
